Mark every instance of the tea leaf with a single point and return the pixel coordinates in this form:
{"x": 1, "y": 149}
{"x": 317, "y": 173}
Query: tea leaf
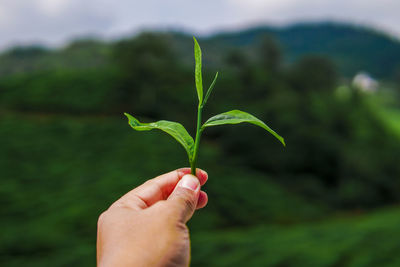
{"x": 197, "y": 71}
{"x": 237, "y": 116}
{"x": 210, "y": 89}
{"x": 176, "y": 130}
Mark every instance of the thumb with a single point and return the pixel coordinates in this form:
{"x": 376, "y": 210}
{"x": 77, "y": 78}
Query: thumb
{"x": 183, "y": 199}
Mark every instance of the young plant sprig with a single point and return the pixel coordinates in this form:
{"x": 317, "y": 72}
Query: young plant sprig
{"x": 177, "y": 131}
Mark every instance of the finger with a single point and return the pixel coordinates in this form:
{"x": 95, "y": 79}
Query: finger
{"x": 203, "y": 199}
{"x": 200, "y": 174}
{"x": 183, "y": 200}
{"x": 152, "y": 191}
{"x": 156, "y": 189}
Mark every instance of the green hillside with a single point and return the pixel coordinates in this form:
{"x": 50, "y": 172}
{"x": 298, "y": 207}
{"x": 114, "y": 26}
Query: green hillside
{"x": 328, "y": 199}
{"x": 60, "y": 172}
{"x": 350, "y": 240}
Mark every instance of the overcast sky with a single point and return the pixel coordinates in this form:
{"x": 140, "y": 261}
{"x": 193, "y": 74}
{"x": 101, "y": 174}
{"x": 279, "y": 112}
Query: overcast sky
{"x": 53, "y": 22}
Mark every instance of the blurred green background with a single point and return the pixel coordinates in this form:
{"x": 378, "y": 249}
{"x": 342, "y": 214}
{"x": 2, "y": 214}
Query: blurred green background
{"x": 330, "y": 198}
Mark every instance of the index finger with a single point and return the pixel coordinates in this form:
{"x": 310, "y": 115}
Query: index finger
{"x": 157, "y": 189}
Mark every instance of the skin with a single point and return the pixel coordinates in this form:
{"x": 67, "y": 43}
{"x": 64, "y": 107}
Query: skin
{"x": 147, "y": 226}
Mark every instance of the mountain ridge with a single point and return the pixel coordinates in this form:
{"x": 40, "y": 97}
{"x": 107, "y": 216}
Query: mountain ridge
{"x": 352, "y": 48}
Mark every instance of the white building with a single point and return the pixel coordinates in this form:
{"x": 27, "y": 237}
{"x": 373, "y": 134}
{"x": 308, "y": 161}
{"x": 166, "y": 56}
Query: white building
{"x": 364, "y": 82}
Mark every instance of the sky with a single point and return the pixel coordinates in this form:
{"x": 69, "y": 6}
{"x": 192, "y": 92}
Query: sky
{"x": 54, "y": 22}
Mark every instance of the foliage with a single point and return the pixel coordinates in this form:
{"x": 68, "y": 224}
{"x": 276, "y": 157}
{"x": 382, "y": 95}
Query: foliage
{"x": 328, "y": 199}
{"x": 343, "y": 241}
{"x": 177, "y": 131}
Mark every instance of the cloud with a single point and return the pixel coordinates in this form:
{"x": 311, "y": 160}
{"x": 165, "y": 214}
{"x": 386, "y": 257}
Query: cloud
{"x": 53, "y": 8}
{"x": 55, "y": 21}
{"x": 38, "y": 21}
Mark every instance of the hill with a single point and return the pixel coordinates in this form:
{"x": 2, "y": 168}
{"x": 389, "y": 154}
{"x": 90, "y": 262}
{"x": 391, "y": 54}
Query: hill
{"x": 327, "y": 199}
{"x": 351, "y": 48}
{"x": 352, "y": 241}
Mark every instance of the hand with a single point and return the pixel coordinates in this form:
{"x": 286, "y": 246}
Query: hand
{"x": 147, "y": 226}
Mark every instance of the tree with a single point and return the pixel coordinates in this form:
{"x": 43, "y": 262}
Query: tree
{"x": 270, "y": 54}
{"x": 313, "y": 73}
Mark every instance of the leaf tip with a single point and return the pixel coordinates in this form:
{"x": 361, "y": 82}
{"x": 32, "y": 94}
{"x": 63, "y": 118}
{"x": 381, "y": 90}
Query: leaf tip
{"x": 283, "y": 142}
{"x": 132, "y": 121}
{"x": 197, "y": 46}
{"x": 129, "y": 116}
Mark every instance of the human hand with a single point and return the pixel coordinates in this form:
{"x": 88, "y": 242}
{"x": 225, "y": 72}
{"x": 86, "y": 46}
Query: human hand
{"x": 147, "y": 226}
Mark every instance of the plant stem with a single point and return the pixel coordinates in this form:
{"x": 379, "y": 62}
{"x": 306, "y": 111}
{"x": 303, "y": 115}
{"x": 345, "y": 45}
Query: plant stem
{"x": 197, "y": 140}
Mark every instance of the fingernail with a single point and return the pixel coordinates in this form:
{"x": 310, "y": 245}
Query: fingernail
{"x": 190, "y": 182}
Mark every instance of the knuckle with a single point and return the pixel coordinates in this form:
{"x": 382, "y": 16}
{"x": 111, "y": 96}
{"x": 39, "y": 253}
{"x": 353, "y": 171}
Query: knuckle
{"x": 188, "y": 202}
{"x": 150, "y": 182}
{"x": 102, "y": 218}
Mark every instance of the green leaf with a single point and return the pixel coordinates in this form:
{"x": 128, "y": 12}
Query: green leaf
{"x": 176, "y": 130}
{"x": 237, "y": 116}
{"x": 210, "y": 89}
{"x": 197, "y": 71}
